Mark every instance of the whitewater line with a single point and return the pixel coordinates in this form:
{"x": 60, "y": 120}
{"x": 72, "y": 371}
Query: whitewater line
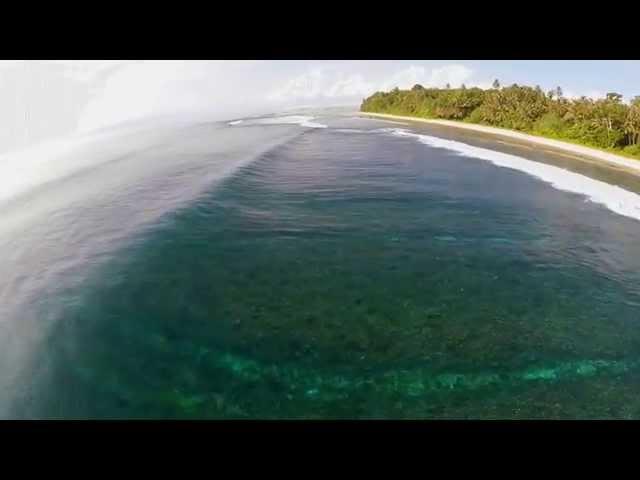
{"x": 616, "y": 199}
{"x": 610, "y": 158}
{"x": 302, "y": 120}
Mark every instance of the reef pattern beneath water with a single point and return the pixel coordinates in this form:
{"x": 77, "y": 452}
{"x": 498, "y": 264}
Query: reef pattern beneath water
{"x": 356, "y": 276}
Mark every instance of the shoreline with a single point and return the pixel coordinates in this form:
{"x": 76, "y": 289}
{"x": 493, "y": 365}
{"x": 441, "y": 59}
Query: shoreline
{"x": 591, "y": 153}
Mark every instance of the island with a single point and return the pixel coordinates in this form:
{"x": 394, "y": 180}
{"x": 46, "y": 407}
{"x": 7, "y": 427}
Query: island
{"x": 608, "y": 126}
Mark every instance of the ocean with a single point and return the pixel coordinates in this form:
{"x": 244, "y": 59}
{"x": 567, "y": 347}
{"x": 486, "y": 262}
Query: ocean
{"x": 317, "y": 265}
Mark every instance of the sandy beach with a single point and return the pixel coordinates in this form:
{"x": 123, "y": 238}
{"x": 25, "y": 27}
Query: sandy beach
{"x": 590, "y": 153}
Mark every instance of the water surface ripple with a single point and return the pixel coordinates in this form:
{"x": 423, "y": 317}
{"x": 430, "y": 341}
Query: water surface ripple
{"x": 258, "y": 270}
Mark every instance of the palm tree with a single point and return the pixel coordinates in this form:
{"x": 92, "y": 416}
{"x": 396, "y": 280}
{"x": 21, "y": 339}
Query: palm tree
{"x": 632, "y": 122}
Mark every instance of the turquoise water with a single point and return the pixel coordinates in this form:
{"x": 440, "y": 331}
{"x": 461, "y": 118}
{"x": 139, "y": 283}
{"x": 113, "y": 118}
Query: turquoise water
{"x": 347, "y": 275}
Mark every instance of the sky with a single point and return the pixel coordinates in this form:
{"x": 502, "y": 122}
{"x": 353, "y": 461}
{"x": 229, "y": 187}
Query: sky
{"x": 44, "y": 100}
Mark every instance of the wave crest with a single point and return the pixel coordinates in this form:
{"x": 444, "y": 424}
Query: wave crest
{"x": 616, "y": 199}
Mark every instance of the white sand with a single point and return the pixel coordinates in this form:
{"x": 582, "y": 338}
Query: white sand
{"x": 611, "y": 158}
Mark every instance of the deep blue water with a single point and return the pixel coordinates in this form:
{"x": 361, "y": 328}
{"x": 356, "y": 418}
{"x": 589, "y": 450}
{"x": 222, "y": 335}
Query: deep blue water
{"x": 330, "y": 274}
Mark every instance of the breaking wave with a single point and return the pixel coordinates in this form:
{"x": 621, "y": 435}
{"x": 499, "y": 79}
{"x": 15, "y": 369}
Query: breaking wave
{"x": 616, "y": 199}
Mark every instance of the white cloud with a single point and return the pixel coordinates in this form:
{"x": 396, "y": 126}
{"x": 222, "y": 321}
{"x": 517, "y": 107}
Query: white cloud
{"x": 78, "y": 70}
{"x": 572, "y": 94}
{"x": 49, "y": 98}
{"x": 483, "y": 85}
{"x": 11, "y": 63}
{"x": 405, "y": 78}
{"x": 45, "y": 99}
{"x": 322, "y": 82}
{"x": 353, "y": 85}
{"x": 308, "y": 85}
{"x": 90, "y": 70}
{"x": 156, "y": 88}
{"x": 454, "y": 74}
{"x": 332, "y": 82}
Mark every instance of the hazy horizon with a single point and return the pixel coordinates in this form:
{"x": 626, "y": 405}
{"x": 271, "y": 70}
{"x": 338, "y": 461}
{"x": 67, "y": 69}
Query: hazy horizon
{"x": 45, "y": 100}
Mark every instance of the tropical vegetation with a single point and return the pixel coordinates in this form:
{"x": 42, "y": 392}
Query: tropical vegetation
{"x": 607, "y": 123}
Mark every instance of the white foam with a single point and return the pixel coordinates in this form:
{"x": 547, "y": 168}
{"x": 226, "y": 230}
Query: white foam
{"x": 616, "y": 199}
{"x": 352, "y": 130}
{"x": 236, "y": 122}
{"x": 373, "y": 131}
{"x": 313, "y": 125}
{"x": 302, "y": 120}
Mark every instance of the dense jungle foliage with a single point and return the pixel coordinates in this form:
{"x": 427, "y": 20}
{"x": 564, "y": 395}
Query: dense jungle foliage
{"x": 606, "y": 123}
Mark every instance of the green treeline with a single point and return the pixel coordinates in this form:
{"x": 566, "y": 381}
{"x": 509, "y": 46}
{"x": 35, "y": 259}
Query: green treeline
{"x": 606, "y": 123}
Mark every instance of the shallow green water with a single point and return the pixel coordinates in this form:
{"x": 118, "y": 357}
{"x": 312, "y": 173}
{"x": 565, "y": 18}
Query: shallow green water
{"x": 356, "y": 276}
